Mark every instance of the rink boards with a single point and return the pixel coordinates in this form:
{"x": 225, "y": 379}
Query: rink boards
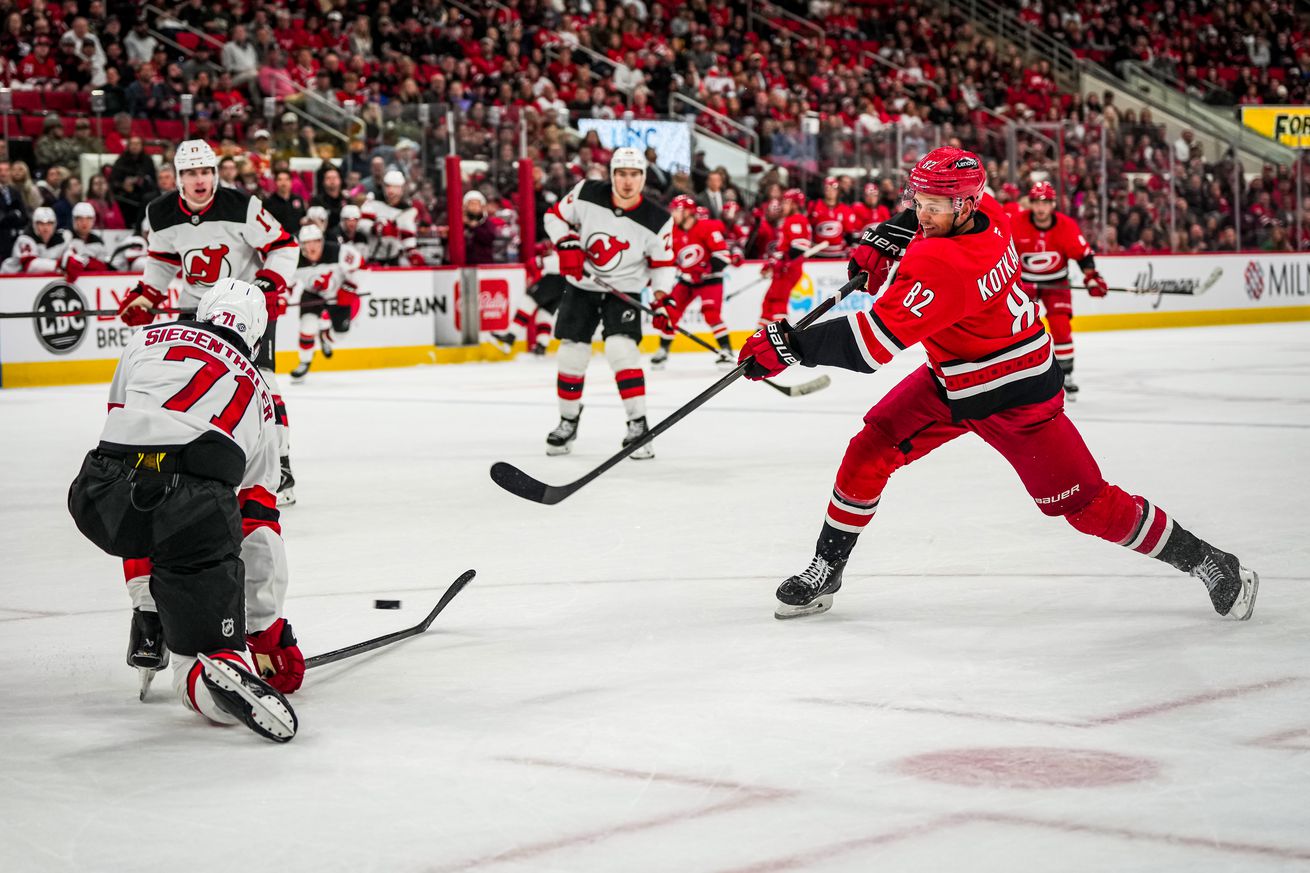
{"x": 414, "y": 316}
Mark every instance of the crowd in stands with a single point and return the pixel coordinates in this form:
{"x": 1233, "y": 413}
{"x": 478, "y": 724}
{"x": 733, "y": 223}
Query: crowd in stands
{"x": 392, "y": 86}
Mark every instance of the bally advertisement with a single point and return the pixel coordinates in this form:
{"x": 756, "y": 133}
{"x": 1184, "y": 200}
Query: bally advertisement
{"x": 414, "y": 316}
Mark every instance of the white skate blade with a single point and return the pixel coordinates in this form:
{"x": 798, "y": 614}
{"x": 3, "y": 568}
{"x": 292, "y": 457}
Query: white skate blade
{"x": 287, "y": 497}
{"x": 816, "y": 606}
{"x": 645, "y": 453}
{"x": 1244, "y": 605}
{"x": 559, "y": 450}
{"x": 273, "y": 718}
{"x": 147, "y": 675}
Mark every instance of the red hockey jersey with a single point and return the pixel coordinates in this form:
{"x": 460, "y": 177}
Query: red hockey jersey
{"x": 959, "y": 296}
{"x": 701, "y": 252}
{"x": 793, "y": 236}
{"x": 866, "y": 215}
{"x": 1045, "y": 254}
{"x": 832, "y": 224}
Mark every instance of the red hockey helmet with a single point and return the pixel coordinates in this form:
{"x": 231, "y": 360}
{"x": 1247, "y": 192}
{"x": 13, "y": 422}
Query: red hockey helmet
{"x": 1042, "y": 191}
{"x": 831, "y": 182}
{"x": 948, "y": 172}
{"x": 682, "y": 201}
{"x": 702, "y": 213}
{"x": 731, "y": 209}
{"x": 870, "y": 188}
{"x": 795, "y": 195}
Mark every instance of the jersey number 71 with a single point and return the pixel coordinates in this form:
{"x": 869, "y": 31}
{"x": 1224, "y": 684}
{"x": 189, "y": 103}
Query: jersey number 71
{"x": 211, "y": 370}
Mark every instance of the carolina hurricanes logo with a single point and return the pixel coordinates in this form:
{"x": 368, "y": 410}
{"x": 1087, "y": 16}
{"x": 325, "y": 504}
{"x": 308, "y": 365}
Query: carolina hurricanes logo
{"x": 1040, "y": 262}
{"x": 829, "y": 229}
{"x": 1255, "y": 281}
{"x": 605, "y": 251}
{"x": 205, "y": 266}
{"x": 691, "y": 255}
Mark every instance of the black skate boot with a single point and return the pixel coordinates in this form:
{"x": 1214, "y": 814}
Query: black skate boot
{"x": 298, "y": 374}
{"x": 258, "y": 705}
{"x": 325, "y": 343}
{"x": 1070, "y": 386}
{"x": 560, "y": 440}
{"x": 504, "y": 342}
{"x": 809, "y": 593}
{"x": 145, "y": 647}
{"x": 636, "y": 430}
{"x": 540, "y": 349}
{"x": 725, "y": 359}
{"x": 286, "y": 489}
{"x": 661, "y": 357}
{"x": 1232, "y": 587}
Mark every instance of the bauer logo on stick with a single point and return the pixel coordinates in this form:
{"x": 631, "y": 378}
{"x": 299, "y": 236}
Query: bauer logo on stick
{"x": 61, "y": 327}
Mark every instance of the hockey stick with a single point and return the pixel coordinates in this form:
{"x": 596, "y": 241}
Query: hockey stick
{"x": 1188, "y": 287}
{"x": 812, "y": 250}
{"x": 808, "y": 388}
{"x": 515, "y": 481}
{"x": 80, "y": 313}
{"x": 396, "y": 636}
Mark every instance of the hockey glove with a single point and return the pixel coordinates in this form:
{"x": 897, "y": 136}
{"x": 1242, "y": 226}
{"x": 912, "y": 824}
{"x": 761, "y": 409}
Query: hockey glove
{"x": 276, "y": 656}
{"x": 136, "y": 306}
{"x": 274, "y": 302}
{"x": 665, "y": 312}
{"x": 736, "y": 259}
{"x": 416, "y": 259}
{"x": 770, "y": 264}
{"x": 571, "y": 257}
{"x": 769, "y": 351}
{"x": 1096, "y": 285}
{"x": 886, "y": 242}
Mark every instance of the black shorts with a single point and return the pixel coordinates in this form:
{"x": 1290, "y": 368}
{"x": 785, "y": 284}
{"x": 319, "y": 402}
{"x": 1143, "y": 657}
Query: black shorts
{"x": 580, "y": 312}
{"x": 547, "y": 292}
{"x": 189, "y": 528}
{"x": 314, "y": 304}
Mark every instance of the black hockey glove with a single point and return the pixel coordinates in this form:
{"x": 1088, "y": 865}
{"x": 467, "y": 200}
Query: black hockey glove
{"x": 885, "y": 241}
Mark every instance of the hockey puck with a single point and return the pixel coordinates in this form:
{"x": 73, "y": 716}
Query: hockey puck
{"x": 386, "y": 604}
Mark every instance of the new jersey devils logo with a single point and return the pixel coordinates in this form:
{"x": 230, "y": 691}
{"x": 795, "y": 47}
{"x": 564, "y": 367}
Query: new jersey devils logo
{"x": 205, "y": 266}
{"x": 605, "y": 251}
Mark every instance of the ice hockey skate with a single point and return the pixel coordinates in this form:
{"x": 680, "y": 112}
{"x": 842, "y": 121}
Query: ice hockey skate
{"x": 637, "y": 429}
{"x": 1070, "y": 387}
{"x": 244, "y": 695}
{"x": 725, "y": 360}
{"x": 301, "y": 370}
{"x": 810, "y": 592}
{"x": 325, "y": 342}
{"x": 504, "y": 342}
{"x": 286, "y": 489}
{"x": 145, "y": 647}
{"x": 660, "y": 359}
{"x": 560, "y": 440}
{"x": 1232, "y": 587}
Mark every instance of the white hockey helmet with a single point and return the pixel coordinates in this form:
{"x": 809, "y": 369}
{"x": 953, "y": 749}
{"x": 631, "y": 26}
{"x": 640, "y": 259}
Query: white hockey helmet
{"x": 316, "y": 213}
{"x": 350, "y": 211}
{"x": 43, "y": 215}
{"x": 238, "y": 306}
{"x": 628, "y": 158}
{"x": 194, "y": 154}
{"x": 393, "y": 178}
{"x": 310, "y": 233}
{"x": 82, "y": 209}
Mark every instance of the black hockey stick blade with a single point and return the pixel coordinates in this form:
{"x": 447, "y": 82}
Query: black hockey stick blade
{"x": 805, "y": 387}
{"x": 519, "y": 483}
{"x": 396, "y": 636}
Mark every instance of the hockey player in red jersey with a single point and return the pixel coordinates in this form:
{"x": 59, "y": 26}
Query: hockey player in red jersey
{"x": 869, "y": 210}
{"x": 787, "y": 264}
{"x": 607, "y": 230}
{"x": 700, "y": 248}
{"x": 181, "y": 482}
{"x": 834, "y": 222}
{"x": 990, "y": 371}
{"x": 1047, "y": 241}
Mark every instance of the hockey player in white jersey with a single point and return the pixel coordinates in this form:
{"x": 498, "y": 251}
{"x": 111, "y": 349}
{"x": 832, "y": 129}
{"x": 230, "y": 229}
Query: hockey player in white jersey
{"x": 182, "y": 479}
{"x": 131, "y": 253}
{"x": 607, "y": 229}
{"x": 86, "y": 247}
{"x": 43, "y": 250}
{"x": 391, "y": 223}
{"x": 211, "y": 233}
{"x": 329, "y": 297}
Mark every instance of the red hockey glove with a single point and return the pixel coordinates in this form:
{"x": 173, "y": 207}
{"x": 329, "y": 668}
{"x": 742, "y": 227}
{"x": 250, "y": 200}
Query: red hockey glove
{"x": 74, "y": 267}
{"x": 886, "y": 242}
{"x": 274, "y": 301}
{"x": 736, "y": 259}
{"x": 136, "y": 306}
{"x": 771, "y": 351}
{"x": 571, "y": 257}
{"x": 416, "y": 259}
{"x": 665, "y": 311}
{"x": 770, "y": 264}
{"x": 388, "y": 228}
{"x": 276, "y": 656}
{"x": 1096, "y": 285}
{"x": 348, "y": 296}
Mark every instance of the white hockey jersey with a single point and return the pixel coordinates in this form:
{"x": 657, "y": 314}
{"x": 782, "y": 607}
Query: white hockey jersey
{"x": 393, "y": 231}
{"x": 628, "y": 248}
{"x": 234, "y": 236}
{"x": 91, "y": 251}
{"x": 129, "y": 256}
{"x": 30, "y": 255}
{"x": 335, "y": 271}
{"x": 180, "y": 381}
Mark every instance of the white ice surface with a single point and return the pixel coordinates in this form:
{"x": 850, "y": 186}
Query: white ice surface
{"x": 612, "y": 692}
